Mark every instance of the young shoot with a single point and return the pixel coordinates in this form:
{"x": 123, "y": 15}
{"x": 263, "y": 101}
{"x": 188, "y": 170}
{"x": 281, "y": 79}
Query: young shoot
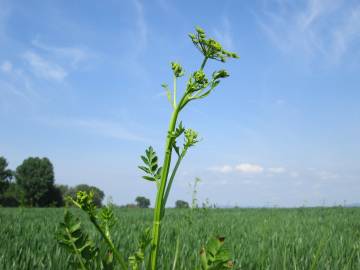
{"x": 213, "y": 256}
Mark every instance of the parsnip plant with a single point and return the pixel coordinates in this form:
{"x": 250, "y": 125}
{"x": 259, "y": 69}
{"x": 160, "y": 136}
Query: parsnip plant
{"x": 213, "y": 256}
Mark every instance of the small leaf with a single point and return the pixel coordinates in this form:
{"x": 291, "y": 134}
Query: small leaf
{"x": 154, "y": 160}
{"x": 149, "y": 178}
{"x": 145, "y": 169}
{"x": 146, "y": 161}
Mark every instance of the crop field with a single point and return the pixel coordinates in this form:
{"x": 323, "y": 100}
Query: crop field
{"x": 303, "y": 238}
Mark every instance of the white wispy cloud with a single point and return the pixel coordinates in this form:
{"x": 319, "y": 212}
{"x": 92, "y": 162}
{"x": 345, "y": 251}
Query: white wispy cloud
{"x": 141, "y": 26}
{"x": 223, "y": 34}
{"x": 14, "y": 82}
{"x": 6, "y": 67}
{"x": 319, "y": 28}
{"x": 105, "y": 128}
{"x": 249, "y": 168}
{"x": 55, "y": 63}
{"x": 347, "y": 33}
{"x": 72, "y": 55}
{"x": 277, "y": 170}
{"x": 43, "y": 68}
{"x": 242, "y": 168}
{"x": 222, "y": 169}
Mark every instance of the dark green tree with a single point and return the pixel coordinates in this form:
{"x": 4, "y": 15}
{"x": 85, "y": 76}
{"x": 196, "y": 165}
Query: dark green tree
{"x": 181, "y": 204}
{"x": 142, "y": 202}
{"x": 5, "y": 175}
{"x": 12, "y": 197}
{"x": 35, "y": 177}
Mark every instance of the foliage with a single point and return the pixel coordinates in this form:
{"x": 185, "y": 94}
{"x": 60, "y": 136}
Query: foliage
{"x": 261, "y": 239}
{"x": 5, "y": 175}
{"x": 72, "y": 191}
{"x": 142, "y": 202}
{"x": 35, "y": 176}
{"x": 71, "y": 236}
{"x": 35, "y": 186}
{"x": 12, "y": 197}
{"x": 198, "y": 86}
{"x": 181, "y": 204}
{"x": 215, "y": 256}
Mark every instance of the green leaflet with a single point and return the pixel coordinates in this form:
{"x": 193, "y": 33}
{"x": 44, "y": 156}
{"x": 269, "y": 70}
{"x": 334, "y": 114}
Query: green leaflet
{"x": 215, "y": 256}
{"x": 71, "y": 236}
{"x": 151, "y": 167}
{"x": 137, "y": 260}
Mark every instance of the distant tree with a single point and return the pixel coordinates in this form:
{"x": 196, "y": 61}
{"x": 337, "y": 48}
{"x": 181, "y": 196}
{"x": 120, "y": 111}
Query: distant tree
{"x": 35, "y": 177}
{"x": 5, "y": 175}
{"x": 131, "y": 205}
{"x": 142, "y": 202}
{"x": 64, "y": 189}
{"x": 53, "y": 197}
{"x": 98, "y": 193}
{"x": 12, "y": 197}
{"x": 181, "y": 204}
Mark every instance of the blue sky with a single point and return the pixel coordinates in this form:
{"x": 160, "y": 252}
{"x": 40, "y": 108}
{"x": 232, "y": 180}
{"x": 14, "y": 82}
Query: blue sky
{"x": 80, "y": 84}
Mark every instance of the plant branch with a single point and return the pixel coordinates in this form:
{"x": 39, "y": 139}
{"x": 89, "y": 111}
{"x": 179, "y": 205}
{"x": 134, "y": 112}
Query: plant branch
{"x": 172, "y": 176}
{"x": 203, "y": 63}
{"x": 174, "y": 100}
{"x": 116, "y": 252}
{"x": 160, "y": 194}
{"x": 78, "y": 255}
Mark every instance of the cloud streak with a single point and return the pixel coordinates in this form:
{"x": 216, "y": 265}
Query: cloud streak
{"x": 73, "y": 55}
{"x": 141, "y": 26}
{"x": 104, "y": 128}
{"x": 223, "y": 34}
{"x": 318, "y": 28}
{"x": 246, "y": 168}
{"x": 43, "y": 68}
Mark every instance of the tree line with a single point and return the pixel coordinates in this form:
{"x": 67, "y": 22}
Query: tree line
{"x": 32, "y": 184}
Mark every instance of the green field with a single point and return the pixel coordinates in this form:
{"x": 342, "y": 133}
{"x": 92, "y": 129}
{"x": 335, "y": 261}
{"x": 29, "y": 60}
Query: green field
{"x": 304, "y": 238}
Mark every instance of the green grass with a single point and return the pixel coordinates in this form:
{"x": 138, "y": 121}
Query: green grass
{"x": 314, "y": 238}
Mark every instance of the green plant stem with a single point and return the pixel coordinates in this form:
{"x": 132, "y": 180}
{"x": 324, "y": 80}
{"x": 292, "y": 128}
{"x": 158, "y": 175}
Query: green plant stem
{"x": 117, "y": 254}
{"x": 93, "y": 220}
{"x": 203, "y": 63}
{"x": 172, "y": 176}
{"x": 160, "y": 194}
{"x": 174, "y": 101}
{"x": 176, "y": 252}
{"x": 78, "y": 255}
{"x": 159, "y": 210}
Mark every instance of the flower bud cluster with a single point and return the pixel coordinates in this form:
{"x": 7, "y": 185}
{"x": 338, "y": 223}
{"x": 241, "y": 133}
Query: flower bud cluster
{"x": 210, "y": 48}
{"x": 220, "y": 74}
{"x": 177, "y": 69}
{"x": 191, "y": 137}
{"x": 197, "y": 81}
{"x": 85, "y": 200}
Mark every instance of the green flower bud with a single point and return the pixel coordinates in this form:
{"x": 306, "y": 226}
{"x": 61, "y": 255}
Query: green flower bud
{"x": 199, "y": 30}
{"x": 192, "y": 36}
{"x": 191, "y": 137}
{"x": 200, "y": 77}
{"x": 220, "y": 74}
{"x": 177, "y": 69}
{"x": 216, "y": 46}
{"x": 85, "y": 200}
